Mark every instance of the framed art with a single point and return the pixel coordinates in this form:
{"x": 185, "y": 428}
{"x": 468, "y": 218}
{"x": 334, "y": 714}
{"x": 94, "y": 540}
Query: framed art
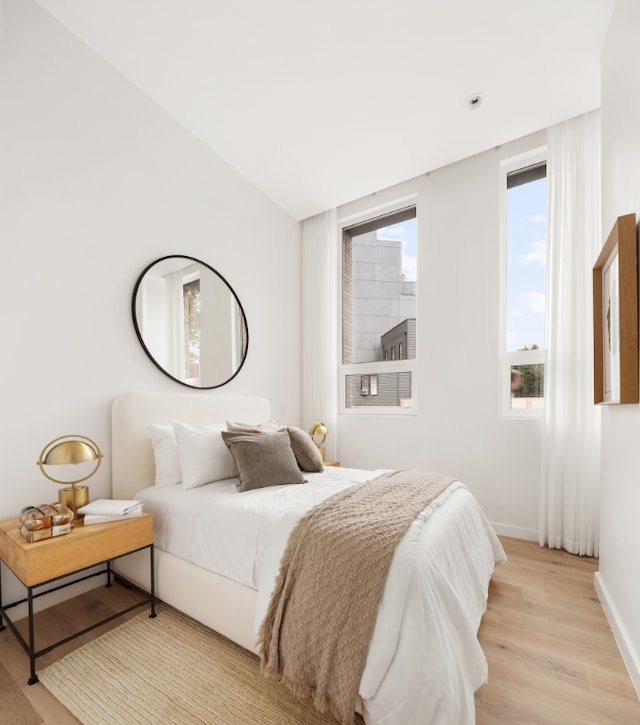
{"x": 615, "y": 316}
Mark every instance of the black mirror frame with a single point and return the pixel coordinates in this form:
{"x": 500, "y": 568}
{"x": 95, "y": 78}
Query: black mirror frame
{"x": 146, "y": 349}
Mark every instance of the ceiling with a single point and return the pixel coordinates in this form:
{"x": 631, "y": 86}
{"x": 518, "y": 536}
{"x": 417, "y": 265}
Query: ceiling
{"x": 319, "y": 103}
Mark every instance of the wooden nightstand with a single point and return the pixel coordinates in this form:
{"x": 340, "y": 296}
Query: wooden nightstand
{"x": 330, "y": 463}
{"x": 44, "y": 562}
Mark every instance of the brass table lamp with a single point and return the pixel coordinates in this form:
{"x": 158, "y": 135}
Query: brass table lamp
{"x": 319, "y": 430}
{"x": 71, "y": 449}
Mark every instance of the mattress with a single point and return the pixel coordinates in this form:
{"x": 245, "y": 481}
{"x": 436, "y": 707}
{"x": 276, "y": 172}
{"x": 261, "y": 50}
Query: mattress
{"x": 424, "y": 660}
{"x": 222, "y": 530}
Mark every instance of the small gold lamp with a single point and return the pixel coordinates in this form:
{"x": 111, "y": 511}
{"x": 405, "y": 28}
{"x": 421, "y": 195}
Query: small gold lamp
{"x": 319, "y": 430}
{"x": 71, "y": 449}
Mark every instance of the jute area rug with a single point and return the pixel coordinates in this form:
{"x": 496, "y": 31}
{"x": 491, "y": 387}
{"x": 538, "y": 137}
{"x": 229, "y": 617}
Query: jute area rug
{"x": 171, "y": 670}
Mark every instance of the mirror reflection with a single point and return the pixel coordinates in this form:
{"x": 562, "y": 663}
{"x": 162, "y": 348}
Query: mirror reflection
{"x": 190, "y": 322}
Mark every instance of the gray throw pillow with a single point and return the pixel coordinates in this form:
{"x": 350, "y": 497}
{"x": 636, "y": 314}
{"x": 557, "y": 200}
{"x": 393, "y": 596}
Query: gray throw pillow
{"x": 305, "y": 450}
{"x": 263, "y": 460}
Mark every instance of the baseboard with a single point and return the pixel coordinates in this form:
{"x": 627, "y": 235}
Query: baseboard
{"x": 516, "y": 532}
{"x": 629, "y": 655}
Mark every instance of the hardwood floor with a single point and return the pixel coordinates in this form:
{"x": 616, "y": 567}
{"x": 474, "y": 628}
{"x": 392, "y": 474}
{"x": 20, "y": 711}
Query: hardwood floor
{"x": 552, "y": 657}
{"x": 23, "y": 704}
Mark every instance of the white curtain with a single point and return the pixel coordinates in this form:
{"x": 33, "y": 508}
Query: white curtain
{"x": 320, "y": 325}
{"x": 569, "y": 505}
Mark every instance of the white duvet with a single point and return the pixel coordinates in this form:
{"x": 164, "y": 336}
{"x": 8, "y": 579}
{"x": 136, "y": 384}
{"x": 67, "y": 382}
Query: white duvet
{"x": 424, "y": 661}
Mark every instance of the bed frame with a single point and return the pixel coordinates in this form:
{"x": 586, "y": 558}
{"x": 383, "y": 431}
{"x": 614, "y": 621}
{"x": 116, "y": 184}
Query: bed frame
{"x": 216, "y": 601}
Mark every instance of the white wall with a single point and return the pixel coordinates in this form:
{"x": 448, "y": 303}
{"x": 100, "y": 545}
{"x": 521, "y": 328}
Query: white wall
{"x": 458, "y": 429}
{"x": 95, "y": 182}
{"x": 619, "y": 576}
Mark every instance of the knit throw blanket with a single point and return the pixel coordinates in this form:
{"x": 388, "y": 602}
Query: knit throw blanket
{"x": 315, "y": 635}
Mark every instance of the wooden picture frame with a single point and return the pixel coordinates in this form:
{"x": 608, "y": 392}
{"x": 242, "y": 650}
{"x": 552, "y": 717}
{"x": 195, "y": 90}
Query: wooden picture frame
{"x": 615, "y": 316}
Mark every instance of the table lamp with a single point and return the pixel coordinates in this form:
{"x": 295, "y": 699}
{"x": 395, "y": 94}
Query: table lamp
{"x": 72, "y": 449}
{"x": 319, "y": 430}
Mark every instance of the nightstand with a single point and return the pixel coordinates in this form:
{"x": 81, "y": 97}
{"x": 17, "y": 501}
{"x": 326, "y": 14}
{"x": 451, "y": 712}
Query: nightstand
{"x": 44, "y": 562}
{"x": 330, "y": 463}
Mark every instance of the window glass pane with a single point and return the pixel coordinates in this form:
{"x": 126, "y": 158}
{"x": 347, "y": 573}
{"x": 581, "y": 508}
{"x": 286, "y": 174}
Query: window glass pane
{"x": 191, "y": 306}
{"x": 379, "y": 289}
{"x": 385, "y": 389}
{"x": 526, "y": 261}
{"x": 379, "y": 309}
{"x": 527, "y": 386}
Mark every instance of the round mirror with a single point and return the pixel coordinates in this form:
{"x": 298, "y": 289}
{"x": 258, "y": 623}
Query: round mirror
{"x": 190, "y": 322}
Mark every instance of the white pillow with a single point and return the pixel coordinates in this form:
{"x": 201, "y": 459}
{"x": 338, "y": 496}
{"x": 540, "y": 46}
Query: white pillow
{"x": 204, "y": 457}
{"x": 269, "y": 426}
{"x": 165, "y": 453}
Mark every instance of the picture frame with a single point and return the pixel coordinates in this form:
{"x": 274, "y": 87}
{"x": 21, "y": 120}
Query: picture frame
{"x": 615, "y": 316}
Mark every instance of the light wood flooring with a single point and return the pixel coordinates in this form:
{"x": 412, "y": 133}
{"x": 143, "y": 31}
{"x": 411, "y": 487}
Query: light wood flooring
{"x": 552, "y": 657}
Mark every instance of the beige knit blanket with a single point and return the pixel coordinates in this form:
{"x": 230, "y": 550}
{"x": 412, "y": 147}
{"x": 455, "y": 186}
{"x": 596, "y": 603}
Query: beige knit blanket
{"x": 315, "y": 635}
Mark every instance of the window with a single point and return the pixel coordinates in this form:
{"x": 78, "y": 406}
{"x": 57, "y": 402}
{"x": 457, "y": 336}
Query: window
{"x": 523, "y": 284}
{"x": 379, "y": 313}
{"x": 368, "y": 385}
{"x": 191, "y": 307}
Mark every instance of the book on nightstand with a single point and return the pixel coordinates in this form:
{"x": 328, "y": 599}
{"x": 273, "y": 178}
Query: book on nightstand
{"x": 104, "y": 510}
{"x": 105, "y": 518}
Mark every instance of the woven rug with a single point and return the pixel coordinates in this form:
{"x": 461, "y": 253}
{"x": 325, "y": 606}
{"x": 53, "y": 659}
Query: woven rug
{"x": 168, "y": 670}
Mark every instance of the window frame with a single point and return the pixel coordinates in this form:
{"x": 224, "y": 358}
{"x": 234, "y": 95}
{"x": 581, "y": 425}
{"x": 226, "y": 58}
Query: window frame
{"x": 508, "y": 359}
{"x": 373, "y": 368}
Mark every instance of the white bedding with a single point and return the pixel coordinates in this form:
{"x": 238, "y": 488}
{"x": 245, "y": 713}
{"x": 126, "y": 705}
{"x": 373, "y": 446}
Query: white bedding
{"x": 424, "y": 661}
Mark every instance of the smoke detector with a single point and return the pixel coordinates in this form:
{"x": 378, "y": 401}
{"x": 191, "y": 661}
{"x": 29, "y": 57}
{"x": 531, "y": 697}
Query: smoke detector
{"x": 474, "y": 101}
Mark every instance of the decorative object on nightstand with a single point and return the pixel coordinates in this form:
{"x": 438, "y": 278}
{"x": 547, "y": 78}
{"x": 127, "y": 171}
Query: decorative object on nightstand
{"x": 71, "y": 449}
{"x": 44, "y": 521}
{"x": 319, "y": 430}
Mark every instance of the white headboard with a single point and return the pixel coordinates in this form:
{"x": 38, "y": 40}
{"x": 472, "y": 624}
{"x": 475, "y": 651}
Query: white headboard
{"x": 133, "y": 466}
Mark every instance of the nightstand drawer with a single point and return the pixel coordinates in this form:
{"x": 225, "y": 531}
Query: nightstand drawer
{"x": 40, "y": 561}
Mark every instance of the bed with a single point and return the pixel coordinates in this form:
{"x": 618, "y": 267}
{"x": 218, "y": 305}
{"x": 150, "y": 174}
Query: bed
{"x": 424, "y": 661}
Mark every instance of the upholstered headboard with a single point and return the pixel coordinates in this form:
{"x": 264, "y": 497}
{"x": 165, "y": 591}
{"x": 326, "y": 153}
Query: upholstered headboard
{"x": 133, "y": 466}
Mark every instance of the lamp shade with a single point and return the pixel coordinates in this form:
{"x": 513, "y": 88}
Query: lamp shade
{"x": 318, "y": 430}
{"x": 71, "y": 449}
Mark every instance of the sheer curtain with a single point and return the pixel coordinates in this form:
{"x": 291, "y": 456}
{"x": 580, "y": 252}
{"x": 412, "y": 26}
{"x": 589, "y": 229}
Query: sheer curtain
{"x": 320, "y": 325}
{"x": 569, "y": 504}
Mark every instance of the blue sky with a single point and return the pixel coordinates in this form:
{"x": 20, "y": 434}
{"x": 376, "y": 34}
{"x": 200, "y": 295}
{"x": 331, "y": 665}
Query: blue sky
{"x": 406, "y": 231}
{"x": 526, "y": 264}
